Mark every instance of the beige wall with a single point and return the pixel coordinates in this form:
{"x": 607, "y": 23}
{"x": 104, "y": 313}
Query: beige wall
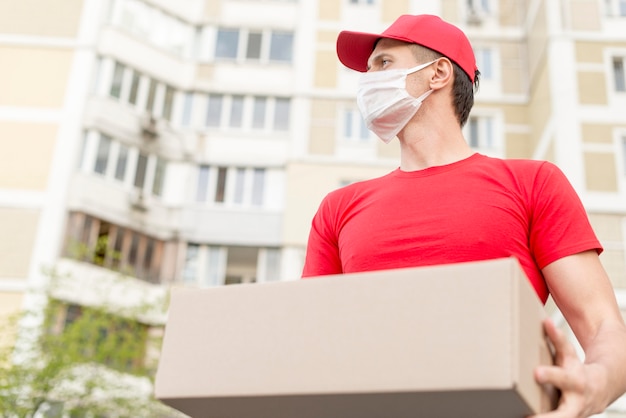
{"x": 33, "y": 76}
{"x": 18, "y": 228}
{"x": 597, "y": 133}
{"x": 513, "y": 68}
{"x": 589, "y": 52}
{"x": 329, "y": 10}
{"x": 592, "y": 88}
{"x": 539, "y": 107}
{"x": 40, "y": 18}
{"x": 517, "y": 146}
{"x": 212, "y": 8}
{"x": 27, "y": 155}
{"x": 608, "y": 228}
{"x": 537, "y": 42}
{"x": 584, "y": 15}
{"x": 323, "y": 132}
{"x": 391, "y": 9}
{"x": 326, "y": 62}
{"x": 600, "y": 172}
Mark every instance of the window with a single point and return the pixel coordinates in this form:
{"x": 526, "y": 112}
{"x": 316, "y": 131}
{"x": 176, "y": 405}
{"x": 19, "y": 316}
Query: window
{"x": 240, "y": 186}
{"x": 155, "y": 26}
{"x": 367, "y": 2}
{"x": 281, "y": 114}
{"x": 151, "y": 95}
{"x": 134, "y": 88}
{"x": 615, "y": 7}
{"x": 168, "y": 102}
{"x": 122, "y": 159}
{"x": 619, "y": 74}
{"x": 479, "y": 6}
{"x": 214, "y": 110}
{"x": 227, "y": 42}
{"x": 258, "y": 112}
{"x": 112, "y": 247}
{"x": 203, "y": 183}
{"x": 281, "y": 46}
{"x": 102, "y": 157}
{"x": 481, "y": 133}
{"x": 159, "y": 177}
{"x": 484, "y": 62}
{"x": 140, "y": 173}
{"x": 187, "y": 108}
{"x": 118, "y": 77}
{"x": 220, "y": 191}
{"x": 236, "y": 112}
{"x": 264, "y": 46}
{"x": 253, "y": 50}
{"x": 355, "y": 129}
{"x": 258, "y": 186}
{"x": 190, "y": 270}
{"x": 240, "y": 177}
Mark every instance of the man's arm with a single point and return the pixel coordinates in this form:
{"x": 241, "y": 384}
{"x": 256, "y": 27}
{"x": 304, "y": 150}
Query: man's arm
{"x": 583, "y": 292}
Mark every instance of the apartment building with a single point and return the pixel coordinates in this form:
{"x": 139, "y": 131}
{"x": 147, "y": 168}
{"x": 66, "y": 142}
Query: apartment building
{"x": 189, "y": 143}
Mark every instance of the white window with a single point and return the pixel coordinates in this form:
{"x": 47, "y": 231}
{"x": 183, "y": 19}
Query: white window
{"x": 122, "y": 160}
{"x": 134, "y": 88}
{"x": 248, "y": 112}
{"x": 236, "y": 112}
{"x": 116, "y": 83}
{"x": 155, "y": 26}
{"x": 187, "y": 109}
{"x": 258, "y": 186}
{"x": 102, "y": 156}
{"x": 259, "y": 112}
{"x": 354, "y": 128}
{"x": 168, "y": 103}
{"x": 140, "y": 171}
{"x": 244, "y": 44}
{"x": 253, "y": 49}
{"x": 479, "y": 6}
{"x": 190, "y": 269}
{"x": 214, "y": 110}
{"x": 159, "y": 176}
{"x": 122, "y": 164}
{"x": 203, "y": 183}
{"x": 484, "y": 62}
{"x": 231, "y": 186}
{"x": 365, "y": 2}
{"x": 281, "y": 47}
{"x": 482, "y": 134}
{"x": 624, "y": 156}
{"x": 619, "y": 74}
{"x": 282, "y": 114}
{"x": 615, "y": 7}
{"x": 227, "y": 43}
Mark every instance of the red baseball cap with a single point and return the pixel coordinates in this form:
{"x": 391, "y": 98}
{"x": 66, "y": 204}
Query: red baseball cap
{"x": 354, "y": 48}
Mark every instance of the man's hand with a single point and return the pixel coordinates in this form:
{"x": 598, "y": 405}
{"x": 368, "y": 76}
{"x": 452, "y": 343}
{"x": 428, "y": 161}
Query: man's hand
{"x": 576, "y": 381}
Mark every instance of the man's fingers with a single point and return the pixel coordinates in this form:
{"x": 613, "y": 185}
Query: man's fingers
{"x": 564, "y": 349}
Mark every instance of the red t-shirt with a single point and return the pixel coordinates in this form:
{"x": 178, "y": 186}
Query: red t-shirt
{"x": 476, "y": 209}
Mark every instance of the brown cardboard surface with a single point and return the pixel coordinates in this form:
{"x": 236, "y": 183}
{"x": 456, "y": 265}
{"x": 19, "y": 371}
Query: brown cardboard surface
{"x": 443, "y": 341}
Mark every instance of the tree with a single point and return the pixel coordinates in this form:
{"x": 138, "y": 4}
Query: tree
{"x": 78, "y": 360}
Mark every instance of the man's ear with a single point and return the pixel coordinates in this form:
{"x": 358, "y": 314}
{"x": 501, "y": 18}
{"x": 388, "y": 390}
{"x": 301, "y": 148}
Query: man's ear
{"x": 443, "y": 75}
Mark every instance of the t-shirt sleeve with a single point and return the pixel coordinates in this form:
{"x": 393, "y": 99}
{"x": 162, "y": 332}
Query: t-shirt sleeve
{"x": 559, "y": 223}
{"x": 322, "y": 253}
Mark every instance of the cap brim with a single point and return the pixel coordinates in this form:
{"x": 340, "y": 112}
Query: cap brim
{"x": 355, "y": 48}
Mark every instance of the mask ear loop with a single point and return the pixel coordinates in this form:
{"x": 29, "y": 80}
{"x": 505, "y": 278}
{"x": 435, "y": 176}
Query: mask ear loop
{"x": 419, "y": 67}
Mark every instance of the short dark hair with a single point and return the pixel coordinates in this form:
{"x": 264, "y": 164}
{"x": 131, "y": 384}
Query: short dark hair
{"x": 462, "y": 90}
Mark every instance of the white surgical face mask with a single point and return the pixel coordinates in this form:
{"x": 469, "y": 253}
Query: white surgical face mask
{"x": 384, "y": 102}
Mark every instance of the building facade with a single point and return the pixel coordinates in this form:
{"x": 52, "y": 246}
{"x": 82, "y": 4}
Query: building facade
{"x": 189, "y": 143}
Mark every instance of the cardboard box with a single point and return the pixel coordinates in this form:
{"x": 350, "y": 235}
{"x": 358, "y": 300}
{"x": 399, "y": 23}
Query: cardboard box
{"x": 459, "y": 340}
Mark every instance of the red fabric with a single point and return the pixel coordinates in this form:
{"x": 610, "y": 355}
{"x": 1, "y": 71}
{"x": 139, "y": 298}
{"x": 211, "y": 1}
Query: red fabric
{"x": 476, "y": 209}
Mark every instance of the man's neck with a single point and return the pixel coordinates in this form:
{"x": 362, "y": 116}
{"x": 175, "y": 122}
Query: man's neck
{"x": 423, "y": 147}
